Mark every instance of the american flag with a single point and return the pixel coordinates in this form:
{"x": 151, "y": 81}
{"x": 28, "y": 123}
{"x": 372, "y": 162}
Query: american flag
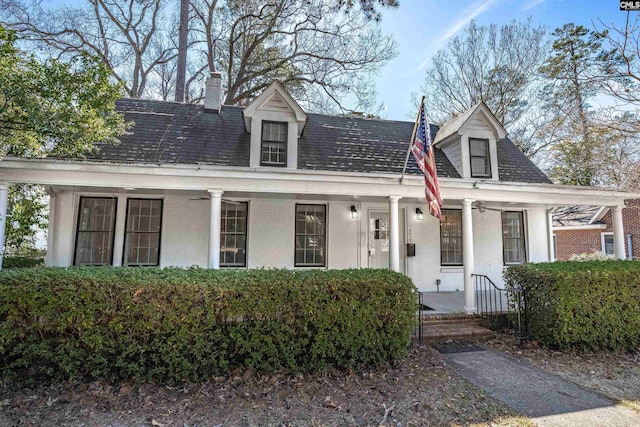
{"x": 422, "y": 150}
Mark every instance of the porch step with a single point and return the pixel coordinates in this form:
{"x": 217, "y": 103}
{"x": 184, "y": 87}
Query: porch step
{"x": 450, "y": 318}
{"x": 438, "y": 332}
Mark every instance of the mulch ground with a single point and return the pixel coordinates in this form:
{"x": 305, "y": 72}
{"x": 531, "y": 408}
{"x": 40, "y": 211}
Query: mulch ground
{"x": 419, "y": 391}
{"x": 615, "y": 375}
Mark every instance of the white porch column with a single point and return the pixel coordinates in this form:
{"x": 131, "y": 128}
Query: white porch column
{"x": 618, "y": 232}
{"x": 394, "y": 234}
{"x": 214, "y": 229}
{"x": 50, "y": 257}
{"x": 119, "y": 231}
{"x": 552, "y": 252}
{"x": 467, "y": 256}
{"x": 4, "y": 195}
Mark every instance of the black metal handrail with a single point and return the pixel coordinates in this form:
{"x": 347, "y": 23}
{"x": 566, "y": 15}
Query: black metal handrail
{"x": 500, "y": 307}
{"x": 419, "y": 331}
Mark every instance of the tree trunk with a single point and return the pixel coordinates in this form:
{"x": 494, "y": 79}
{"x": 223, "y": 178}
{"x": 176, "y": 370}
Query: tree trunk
{"x": 182, "y": 50}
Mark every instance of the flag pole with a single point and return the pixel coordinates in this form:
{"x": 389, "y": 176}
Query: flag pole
{"x": 413, "y": 135}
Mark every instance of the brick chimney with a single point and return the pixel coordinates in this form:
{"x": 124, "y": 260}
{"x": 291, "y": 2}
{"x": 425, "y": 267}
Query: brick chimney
{"x": 213, "y": 92}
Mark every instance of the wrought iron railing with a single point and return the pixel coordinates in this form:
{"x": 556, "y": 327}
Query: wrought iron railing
{"x": 418, "y": 332}
{"x": 502, "y": 309}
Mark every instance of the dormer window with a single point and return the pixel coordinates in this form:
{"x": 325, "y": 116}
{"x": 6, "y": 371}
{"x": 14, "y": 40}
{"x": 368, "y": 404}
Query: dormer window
{"x": 470, "y": 142}
{"x": 480, "y": 158}
{"x": 273, "y": 151}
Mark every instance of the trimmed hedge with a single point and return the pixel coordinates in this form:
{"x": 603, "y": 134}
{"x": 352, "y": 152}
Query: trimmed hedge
{"x": 22, "y": 262}
{"x": 591, "y": 305}
{"x": 175, "y": 325}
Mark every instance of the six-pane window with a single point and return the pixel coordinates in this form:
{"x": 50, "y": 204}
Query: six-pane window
{"x": 451, "y": 237}
{"x": 233, "y": 234}
{"x": 480, "y": 160}
{"x": 96, "y": 224}
{"x": 274, "y": 144}
{"x": 142, "y": 237}
{"x": 310, "y": 250}
{"x": 513, "y": 241}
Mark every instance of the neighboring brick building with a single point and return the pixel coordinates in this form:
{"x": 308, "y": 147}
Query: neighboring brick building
{"x": 588, "y": 229}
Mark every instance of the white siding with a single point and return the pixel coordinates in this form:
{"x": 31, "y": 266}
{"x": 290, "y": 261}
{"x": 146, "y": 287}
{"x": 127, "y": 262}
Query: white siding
{"x": 276, "y": 103}
{"x": 343, "y": 235}
{"x": 424, "y": 268}
{"x": 185, "y": 231}
{"x": 271, "y": 233}
{"x": 477, "y": 126}
{"x": 537, "y": 235}
{"x": 454, "y": 154}
{"x": 487, "y": 242}
{"x": 457, "y": 149}
{"x": 63, "y": 236}
{"x": 271, "y": 228}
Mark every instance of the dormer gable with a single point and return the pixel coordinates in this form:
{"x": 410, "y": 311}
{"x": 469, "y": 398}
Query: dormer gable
{"x": 275, "y": 121}
{"x": 470, "y": 142}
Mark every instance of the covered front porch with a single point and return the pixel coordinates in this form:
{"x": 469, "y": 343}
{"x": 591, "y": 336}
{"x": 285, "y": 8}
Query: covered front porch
{"x": 221, "y": 217}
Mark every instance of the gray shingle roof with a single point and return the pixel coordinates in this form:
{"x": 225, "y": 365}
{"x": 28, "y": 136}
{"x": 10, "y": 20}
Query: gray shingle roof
{"x": 514, "y": 166}
{"x": 355, "y": 144}
{"x": 169, "y": 132}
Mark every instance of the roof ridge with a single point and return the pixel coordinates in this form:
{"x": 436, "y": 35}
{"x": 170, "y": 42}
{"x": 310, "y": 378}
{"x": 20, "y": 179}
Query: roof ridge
{"x": 338, "y": 116}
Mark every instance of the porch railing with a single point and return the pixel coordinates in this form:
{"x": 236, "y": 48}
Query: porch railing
{"x": 501, "y": 309}
{"x": 418, "y": 332}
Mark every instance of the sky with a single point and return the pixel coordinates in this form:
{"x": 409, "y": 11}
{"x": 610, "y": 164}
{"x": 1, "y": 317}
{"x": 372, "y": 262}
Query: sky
{"x": 422, "y": 27}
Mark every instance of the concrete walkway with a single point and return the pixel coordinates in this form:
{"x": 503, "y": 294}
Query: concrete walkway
{"x": 546, "y": 398}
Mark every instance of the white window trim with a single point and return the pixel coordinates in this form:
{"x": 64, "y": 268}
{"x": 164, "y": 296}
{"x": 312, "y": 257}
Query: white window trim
{"x": 325, "y": 266}
{"x": 489, "y": 158}
{"x": 285, "y": 143}
{"x": 246, "y": 237}
{"x": 602, "y": 245}
{"x": 451, "y": 266}
{"x": 525, "y": 236}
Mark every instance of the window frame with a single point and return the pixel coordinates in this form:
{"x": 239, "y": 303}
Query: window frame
{"x": 523, "y": 230}
{"x": 603, "y": 244}
{"x": 489, "y": 173}
{"x": 461, "y": 237}
{"x": 285, "y": 143}
{"x": 295, "y": 236}
{"x": 113, "y": 232}
{"x": 126, "y": 223}
{"x": 246, "y": 237}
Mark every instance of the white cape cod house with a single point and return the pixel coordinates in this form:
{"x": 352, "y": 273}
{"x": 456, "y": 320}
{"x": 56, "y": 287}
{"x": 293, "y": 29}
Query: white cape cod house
{"x": 269, "y": 185}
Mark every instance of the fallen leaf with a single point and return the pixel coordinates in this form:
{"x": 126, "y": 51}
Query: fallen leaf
{"x": 328, "y": 403}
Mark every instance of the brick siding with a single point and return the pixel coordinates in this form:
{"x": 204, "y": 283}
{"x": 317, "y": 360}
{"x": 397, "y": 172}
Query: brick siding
{"x": 570, "y": 242}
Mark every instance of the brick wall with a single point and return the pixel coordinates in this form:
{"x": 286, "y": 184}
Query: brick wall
{"x": 570, "y": 242}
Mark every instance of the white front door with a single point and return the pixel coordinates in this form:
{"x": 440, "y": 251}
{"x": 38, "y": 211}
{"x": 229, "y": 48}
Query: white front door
{"x": 379, "y": 240}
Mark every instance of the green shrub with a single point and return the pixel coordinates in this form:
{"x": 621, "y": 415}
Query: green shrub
{"x": 592, "y": 305}
{"x": 174, "y": 325}
{"x": 22, "y": 262}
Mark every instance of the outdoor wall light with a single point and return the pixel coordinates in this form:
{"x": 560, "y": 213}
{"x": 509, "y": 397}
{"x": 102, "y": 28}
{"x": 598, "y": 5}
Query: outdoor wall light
{"x": 419, "y": 214}
{"x": 354, "y": 212}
